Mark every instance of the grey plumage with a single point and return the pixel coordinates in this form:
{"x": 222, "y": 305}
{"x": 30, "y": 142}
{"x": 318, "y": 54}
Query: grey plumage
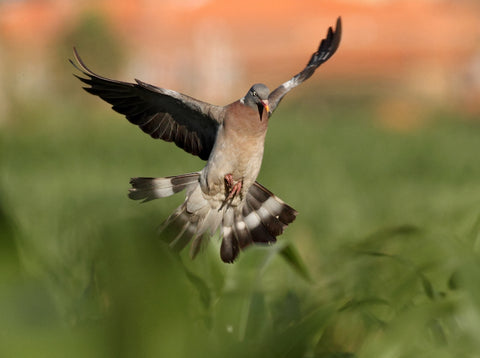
{"x": 224, "y": 194}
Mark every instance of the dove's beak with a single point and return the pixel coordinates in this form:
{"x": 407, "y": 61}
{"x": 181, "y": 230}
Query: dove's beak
{"x": 265, "y": 105}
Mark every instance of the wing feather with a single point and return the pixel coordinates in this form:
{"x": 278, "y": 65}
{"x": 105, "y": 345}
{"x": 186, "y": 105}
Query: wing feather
{"x": 325, "y": 50}
{"x": 159, "y": 112}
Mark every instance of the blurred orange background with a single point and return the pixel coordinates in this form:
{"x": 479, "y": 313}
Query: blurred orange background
{"x": 425, "y": 52}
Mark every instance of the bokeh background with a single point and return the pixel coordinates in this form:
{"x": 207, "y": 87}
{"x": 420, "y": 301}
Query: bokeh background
{"x": 378, "y": 151}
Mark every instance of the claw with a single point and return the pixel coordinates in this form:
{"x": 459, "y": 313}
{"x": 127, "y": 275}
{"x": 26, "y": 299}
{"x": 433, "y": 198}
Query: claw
{"x": 229, "y": 180}
{"x": 232, "y": 187}
{"x": 235, "y": 189}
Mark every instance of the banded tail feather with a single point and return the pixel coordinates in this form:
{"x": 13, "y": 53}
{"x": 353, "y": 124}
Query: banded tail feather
{"x": 154, "y": 188}
{"x": 260, "y": 218}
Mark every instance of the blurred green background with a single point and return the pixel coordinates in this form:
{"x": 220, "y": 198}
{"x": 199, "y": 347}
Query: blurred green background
{"x": 382, "y": 261}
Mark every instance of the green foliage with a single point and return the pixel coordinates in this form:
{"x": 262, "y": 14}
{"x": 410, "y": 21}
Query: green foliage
{"x": 382, "y": 260}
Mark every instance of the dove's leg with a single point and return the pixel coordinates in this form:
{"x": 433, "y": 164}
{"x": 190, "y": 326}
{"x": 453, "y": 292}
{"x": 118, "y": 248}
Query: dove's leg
{"x": 233, "y": 187}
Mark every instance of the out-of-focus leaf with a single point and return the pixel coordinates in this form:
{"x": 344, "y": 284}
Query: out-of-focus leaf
{"x": 427, "y": 286}
{"x": 9, "y": 258}
{"x": 291, "y": 256}
{"x": 381, "y": 237}
{"x": 355, "y": 304}
{"x": 287, "y": 311}
{"x": 201, "y": 286}
{"x": 474, "y": 235}
{"x": 254, "y": 317}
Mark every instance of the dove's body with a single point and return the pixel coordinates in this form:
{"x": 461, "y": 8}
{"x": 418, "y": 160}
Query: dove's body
{"x": 238, "y": 150}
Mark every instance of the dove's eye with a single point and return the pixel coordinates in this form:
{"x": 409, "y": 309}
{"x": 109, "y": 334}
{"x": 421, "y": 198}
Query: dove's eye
{"x": 254, "y": 93}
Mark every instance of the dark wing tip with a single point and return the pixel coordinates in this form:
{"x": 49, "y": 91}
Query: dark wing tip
{"x": 329, "y": 45}
{"x": 338, "y": 25}
{"x": 82, "y": 67}
{"x": 78, "y": 63}
{"x": 337, "y": 34}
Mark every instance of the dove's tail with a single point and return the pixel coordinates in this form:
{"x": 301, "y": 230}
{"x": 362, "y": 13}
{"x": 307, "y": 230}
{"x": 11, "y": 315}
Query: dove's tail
{"x": 147, "y": 189}
{"x": 260, "y": 218}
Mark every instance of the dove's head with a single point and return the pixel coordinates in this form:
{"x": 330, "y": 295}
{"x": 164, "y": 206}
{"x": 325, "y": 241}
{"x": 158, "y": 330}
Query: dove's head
{"x": 257, "y": 97}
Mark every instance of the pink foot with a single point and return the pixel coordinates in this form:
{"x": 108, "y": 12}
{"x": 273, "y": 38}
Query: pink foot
{"x": 233, "y": 187}
{"x": 229, "y": 180}
{"x": 237, "y": 187}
